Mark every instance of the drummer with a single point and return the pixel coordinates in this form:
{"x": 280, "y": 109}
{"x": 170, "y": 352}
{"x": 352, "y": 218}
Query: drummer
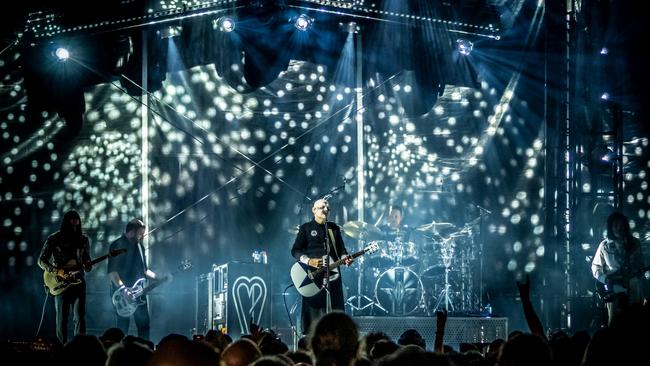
{"x": 393, "y": 230}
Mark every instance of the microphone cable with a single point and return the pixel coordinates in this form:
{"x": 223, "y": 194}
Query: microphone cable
{"x": 294, "y": 329}
{"x": 40, "y": 323}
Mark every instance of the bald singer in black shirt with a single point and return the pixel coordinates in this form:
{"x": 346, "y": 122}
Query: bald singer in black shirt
{"x": 310, "y": 248}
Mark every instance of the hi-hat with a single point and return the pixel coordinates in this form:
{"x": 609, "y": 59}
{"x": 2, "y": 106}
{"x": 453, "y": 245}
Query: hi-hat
{"x": 435, "y": 226}
{"x": 362, "y": 230}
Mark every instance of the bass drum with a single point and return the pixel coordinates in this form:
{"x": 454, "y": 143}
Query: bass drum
{"x": 399, "y": 291}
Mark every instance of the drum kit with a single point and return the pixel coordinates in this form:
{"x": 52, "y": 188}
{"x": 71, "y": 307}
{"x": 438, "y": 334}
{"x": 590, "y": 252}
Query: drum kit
{"x": 409, "y": 278}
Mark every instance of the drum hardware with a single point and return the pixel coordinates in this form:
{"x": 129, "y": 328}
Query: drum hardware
{"x": 360, "y": 302}
{"x": 446, "y": 248}
{"x": 444, "y": 294}
{"x": 395, "y": 254}
{"x": 439, "y": 270}
{"x": 362, "y": 231}
{"x": 434, "y": 227}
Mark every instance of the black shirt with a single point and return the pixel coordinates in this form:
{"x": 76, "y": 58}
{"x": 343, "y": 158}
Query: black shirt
{"x": 131, "y": 265}
{"x": 59, "y": 250}
{"x": 310, "y": 241}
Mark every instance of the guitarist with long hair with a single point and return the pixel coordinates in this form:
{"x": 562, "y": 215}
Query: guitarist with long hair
{"x": 619, "y": 267}
{"x": 64, "y": 252}
{"x": 310, "y": 246}
{"x": 125, "y": 270}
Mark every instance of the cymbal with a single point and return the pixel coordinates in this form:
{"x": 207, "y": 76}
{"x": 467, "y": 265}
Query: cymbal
{"x": 362, "y": 230}
{"x": 435, "y": 226}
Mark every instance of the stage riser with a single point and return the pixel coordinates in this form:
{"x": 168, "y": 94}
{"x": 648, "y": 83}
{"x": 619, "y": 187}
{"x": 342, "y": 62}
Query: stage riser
{"x": 457, "y": 330}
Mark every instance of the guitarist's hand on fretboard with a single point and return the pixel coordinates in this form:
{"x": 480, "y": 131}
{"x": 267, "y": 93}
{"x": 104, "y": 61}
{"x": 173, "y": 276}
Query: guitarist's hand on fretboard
{"x": 347, "y": 260}
{"x": 127, "y": 293}
{"x": 315, "y": 262}
{"x": 62, "y": 273}
{"x": 65, "y": 274}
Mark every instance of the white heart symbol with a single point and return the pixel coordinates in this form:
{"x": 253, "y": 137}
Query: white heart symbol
{"x": 254, "y": 291}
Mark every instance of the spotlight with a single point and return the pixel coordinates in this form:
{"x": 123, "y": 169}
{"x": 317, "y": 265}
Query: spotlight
{"x": 604, "y": 96}
{"x": 351, "y": 27}
{"x": 604, "y": 51}
{"x": 170, "y": 32}
{"x": 224, "y": 24}
{"x": 62, "y": 54}
{"x": 303, "y": 22}
{"x": 464, "y": 46}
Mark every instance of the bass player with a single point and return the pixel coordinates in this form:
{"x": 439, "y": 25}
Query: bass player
{"x": 125, "y": 270}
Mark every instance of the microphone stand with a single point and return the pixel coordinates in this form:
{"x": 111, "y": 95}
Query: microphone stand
{"x": 329, "y": 194}
{"x": 482, "y": 212}
{"x": 326, "y": 263}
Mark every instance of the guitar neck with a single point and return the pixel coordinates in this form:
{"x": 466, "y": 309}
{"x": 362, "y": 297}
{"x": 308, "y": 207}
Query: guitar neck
{"x": 337, "y": 263}
{"x": 151, "y": 287}
{"x": 186, "y": 265}
{"x": 99, "y": 259}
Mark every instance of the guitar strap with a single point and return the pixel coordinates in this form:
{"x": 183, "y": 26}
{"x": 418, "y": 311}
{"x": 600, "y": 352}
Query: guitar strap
{"x": 331, "y": 234}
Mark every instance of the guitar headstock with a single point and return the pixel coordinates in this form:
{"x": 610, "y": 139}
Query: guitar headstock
{"x": 371, "y": 248}
{"x": 185, "y": 265}
{"x": 116, "y": 252}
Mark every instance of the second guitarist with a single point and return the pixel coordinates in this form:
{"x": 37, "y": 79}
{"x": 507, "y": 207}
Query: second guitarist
{"x": 126, "y": 269}
{"x": 618, "y": 264}
{"x": 309, "y": 248}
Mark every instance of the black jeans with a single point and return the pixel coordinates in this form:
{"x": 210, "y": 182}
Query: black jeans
{"x": 313, "y": 308}
{"x": 141, "y": 318}
{"x": 74, "y": 296}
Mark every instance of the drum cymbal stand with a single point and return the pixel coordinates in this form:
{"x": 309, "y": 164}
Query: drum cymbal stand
{"x": 360, "y": 302}
{"x": 447, "y": 254}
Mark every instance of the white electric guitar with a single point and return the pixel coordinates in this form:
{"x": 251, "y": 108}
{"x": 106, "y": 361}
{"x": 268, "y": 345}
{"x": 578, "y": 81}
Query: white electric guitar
{"x": 127, "y": 299}
{"x": 308, "y": 280}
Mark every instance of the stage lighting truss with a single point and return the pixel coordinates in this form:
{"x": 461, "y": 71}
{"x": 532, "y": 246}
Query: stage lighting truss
{"x": 481, "y": 20}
